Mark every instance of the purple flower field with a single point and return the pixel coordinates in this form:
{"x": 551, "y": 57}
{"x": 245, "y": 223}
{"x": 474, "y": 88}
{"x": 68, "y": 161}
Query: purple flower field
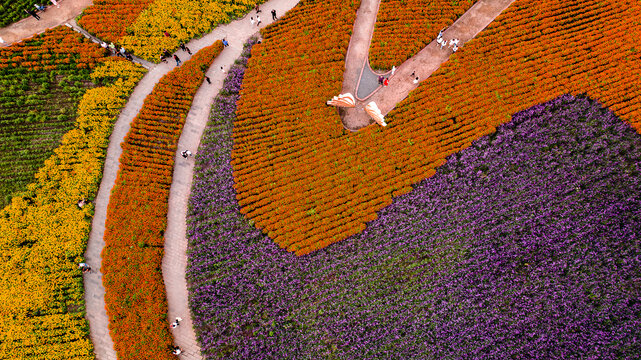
{"x": 526, "y": 245}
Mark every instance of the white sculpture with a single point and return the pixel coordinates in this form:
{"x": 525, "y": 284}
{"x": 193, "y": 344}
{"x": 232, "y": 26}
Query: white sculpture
{"x": 343, "y": 100}
{"x": 373, "y": 111}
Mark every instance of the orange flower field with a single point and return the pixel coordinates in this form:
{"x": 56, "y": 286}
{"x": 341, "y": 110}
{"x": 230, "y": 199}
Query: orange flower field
{"x": 308, "y": 183}
{"x": 109, "y": 19}
{"x": 137, "y": 214}
{"x": 58, "y": 47}
{"x": 404, "y": 27}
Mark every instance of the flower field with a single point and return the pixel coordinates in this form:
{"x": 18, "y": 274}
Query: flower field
{"x": 43, "y": 232}
{"x": 404, "y": 27}
{"x": 41, "y": 82}
{"x": 297, "y": 56}
{"x": 137, "y": 215}
{"x": 108, "y": 19}
{"x": 139, "y": 25}
{"x": 307, "y": 183}
{"x": 523, "y": 245}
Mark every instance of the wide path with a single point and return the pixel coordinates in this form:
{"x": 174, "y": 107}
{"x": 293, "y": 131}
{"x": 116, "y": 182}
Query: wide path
{"x": 52, "y": 17}
{"x": 359, "y": 42}
{"x": 428, "y": 60}
{"x": 175, "y": 259}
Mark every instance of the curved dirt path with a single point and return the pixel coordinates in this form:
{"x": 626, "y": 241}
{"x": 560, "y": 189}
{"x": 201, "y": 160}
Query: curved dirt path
{"x": 175, "y": 258}
{"x": 52, "y": 17}
{"x": 94, "y": 290}
{"x": 424, "y": 63}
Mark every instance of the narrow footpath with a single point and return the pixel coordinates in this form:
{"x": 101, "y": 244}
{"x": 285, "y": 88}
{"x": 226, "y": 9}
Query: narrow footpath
{"x": 423, "y": 64}
{"x": 175, "y": 259}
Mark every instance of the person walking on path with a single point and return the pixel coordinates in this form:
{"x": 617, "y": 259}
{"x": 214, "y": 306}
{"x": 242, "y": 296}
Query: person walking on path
{"x": 32, "y": 13}
{"x": 222, "y": 69}
{"x": 415, "y": 81}
{"x": 176, "y": 350}
{"x": 84, "y": 267}
{"x": 184, "y": 47}
{"x": 251, "y": 20}
{"x": 208, "y": 80}
{"x": 55, "y": 3}
{"x": 40, "y": 7}
{"x": 274, "y": 15}
{"x": 225, "y": 43}
{"x": 178, "y": 62}
{"x": 176, "y": 322}
{"x": 257, "y": 20}
{"x": 386, "y": 82}
{"x": 186, "y": 153}
{"x": 257, "y": 9}
{"x": 380, "y": 79}
{"x": 393, "y": 69}
{"x": 163, "y": 57}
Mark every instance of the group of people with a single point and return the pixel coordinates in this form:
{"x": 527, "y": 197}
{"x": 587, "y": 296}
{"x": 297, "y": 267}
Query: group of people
{"x": 382, "y": 80}
{"x": 40, "y": 7}
{"x": 258, "y": 21}
{"x": 176, "y": 350}
{"x": 443, "y": 42}
{"x": 122, "y": 52}
{"x": 167, "y": 55}
{"x": 274, "y": 17}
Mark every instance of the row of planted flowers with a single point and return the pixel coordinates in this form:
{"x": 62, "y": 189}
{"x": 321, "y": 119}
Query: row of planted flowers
{"x": 307, "y": 183}
{"x": 527, "y": 242}
{"x": 41, "y": 82}
{"x": 137, "y": 214}
{"x": 146, "y": 27}
{"x": 43, "y": 231}
{"x": 404, "y": 27}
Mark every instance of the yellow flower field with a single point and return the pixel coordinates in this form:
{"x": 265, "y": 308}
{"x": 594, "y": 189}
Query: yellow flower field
{"x": 43, "y": 232}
